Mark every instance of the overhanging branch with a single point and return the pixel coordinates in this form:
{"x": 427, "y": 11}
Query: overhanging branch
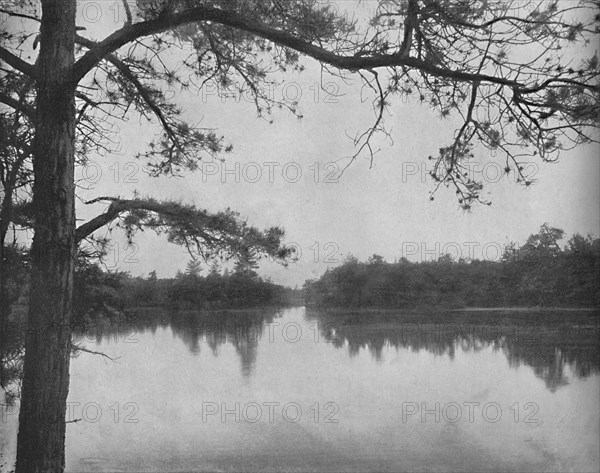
{"x": 283, "y": 38}
{"x": 116, "y": 208}
{"x": 211, "y": 234}
{"x": 17, "y": 63}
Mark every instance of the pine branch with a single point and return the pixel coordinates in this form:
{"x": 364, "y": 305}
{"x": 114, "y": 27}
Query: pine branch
{"x": 17, "y": 63}
{"x": 227, "y": 18}
{"x": 209, "y": 234}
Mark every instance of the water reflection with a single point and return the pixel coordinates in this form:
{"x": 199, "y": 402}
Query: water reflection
{"x": 367, "y": 365}
{"x": 240, "y": 328}
{"x": 549, "y": 342}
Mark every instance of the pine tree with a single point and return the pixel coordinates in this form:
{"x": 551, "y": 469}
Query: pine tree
{"x": 193, "y": 268}
{"x": 215, "y": 268}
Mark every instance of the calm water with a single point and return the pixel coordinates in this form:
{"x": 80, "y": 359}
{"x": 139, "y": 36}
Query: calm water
{"x": 300, "y": 391}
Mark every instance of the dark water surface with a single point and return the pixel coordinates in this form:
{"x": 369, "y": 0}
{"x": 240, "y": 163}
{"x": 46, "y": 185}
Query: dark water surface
{"x": 296, "y": 390}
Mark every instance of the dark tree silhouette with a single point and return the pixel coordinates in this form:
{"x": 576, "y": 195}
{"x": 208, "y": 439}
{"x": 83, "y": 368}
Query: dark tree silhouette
{"x": 540, "y": 272}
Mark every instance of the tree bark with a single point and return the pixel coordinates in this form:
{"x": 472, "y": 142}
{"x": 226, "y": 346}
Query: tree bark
{"x": 41, "y": 438}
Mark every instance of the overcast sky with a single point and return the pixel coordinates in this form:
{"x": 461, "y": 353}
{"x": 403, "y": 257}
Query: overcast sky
{"x": 288, "y": 174}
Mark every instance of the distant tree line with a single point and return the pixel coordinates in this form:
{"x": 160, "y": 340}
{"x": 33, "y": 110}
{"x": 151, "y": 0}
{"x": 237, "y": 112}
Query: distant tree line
{"x": 109, "y": 295}
{"x": 102, "y": 294}
{"x": 538, "y": 273}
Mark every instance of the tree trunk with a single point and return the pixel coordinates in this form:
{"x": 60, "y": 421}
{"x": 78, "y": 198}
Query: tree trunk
{"x": 41, "y": 438}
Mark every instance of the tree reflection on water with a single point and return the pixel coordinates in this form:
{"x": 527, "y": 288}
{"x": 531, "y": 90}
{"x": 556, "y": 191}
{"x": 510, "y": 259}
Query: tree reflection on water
{"x": 553, "y": 344}
{"x": 546, "y": 341}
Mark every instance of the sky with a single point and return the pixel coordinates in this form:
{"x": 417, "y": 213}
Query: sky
{"x": 288, "y": 174}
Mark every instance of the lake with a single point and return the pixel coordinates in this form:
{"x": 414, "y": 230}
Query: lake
{"x": 299, "y": 390}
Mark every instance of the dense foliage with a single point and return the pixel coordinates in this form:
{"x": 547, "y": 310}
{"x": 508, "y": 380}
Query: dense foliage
{"x": 102, "y": 295}
{"x": 538, "y": 273}
{"x": 236, "y": 289}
